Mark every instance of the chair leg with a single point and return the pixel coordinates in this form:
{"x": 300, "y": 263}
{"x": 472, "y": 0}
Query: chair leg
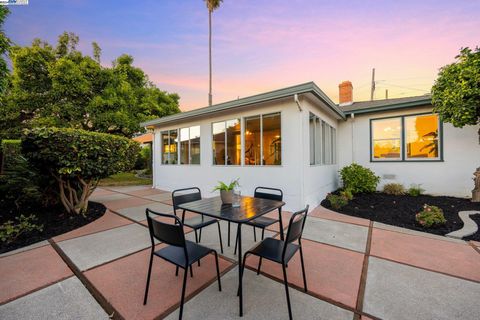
{"x": 286, "y": 291}
{"x": 148, "y": 278}
{"x": 176, "y": 271}
{"x": 196, "y": 241}
{"x": 241, "y": 271}
{"x": 220, "y": 236}
{"x": 236, "y": 244}
{"x": 259, "y": 265}
{"x": 303, "y": 269}
{"x": 191, "y": 271}
{"x": 200, "y": 237}
{"x": 183, "y": 293}
{"x": 218, "y": 271}
{"x": 263, "y": 233}
{"x": 254, "y": 234}
{"x": 228, "y": 240}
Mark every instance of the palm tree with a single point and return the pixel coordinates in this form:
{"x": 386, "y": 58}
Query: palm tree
{"x": 211, "y": 5}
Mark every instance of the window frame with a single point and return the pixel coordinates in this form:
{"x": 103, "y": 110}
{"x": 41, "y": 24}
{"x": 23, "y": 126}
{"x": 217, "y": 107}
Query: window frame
{"x": 179, "y": 147}
{"x": 261, "y": 117}
{"x": 325, "y": 139}
{"x": 403, "y": 157}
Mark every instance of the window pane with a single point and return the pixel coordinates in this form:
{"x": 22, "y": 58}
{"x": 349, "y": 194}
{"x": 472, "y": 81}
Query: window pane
{"x": 334, "y": 145}
{"x": 172, "y": 148}
{"x": 386, "y": 135}
{"x": 233, "y": 142}
{"x": 421, "y": 136}
{"x": 318, "y": 141}
{"x": 195, "y": 145}
{"x": 218, "y": 143}
{"x": 272, "y": 140}
{"x": 312, "y": 138}
{"x": 252, "y": 141}
{"x": 324, "y": 145}
{"x": 184, "y": 152}
{"x": 165, "y": 147}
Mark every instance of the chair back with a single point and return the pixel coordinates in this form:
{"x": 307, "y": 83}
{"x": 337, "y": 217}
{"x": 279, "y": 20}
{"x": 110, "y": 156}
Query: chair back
{"x": 295, "y": 227}
{"x": 268, "y": 193}
{"x": 185, "y": 195}
{"x": 171, "y": 234}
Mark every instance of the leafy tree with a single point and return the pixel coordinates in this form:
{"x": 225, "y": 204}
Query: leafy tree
{"x": 60, "y": 87}
{"x": 4, "y": 46}
{"x": 212, "y": 5}
{"x": 78, "y": 159}
{"x": 456, "y": 92}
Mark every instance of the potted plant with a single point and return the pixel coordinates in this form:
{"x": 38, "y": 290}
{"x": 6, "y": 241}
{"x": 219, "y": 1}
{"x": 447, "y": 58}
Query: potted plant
{"x": 226, "y": 191}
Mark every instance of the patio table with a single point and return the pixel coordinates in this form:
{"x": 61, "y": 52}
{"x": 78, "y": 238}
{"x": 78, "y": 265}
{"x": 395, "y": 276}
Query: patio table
{"x": 249, "y": 209}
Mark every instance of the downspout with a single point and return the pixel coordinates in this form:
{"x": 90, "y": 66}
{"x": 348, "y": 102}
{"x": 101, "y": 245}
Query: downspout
{"x": 352, "y": 115}
{"x": 302, "y": 144}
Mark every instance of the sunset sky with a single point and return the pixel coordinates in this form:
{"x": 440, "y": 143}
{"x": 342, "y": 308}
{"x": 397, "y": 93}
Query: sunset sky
{"x": 262, "y": 45}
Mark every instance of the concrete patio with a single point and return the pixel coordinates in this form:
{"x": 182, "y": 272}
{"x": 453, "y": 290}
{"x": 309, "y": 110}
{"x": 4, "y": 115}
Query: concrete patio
{"x": 356, "y": 269}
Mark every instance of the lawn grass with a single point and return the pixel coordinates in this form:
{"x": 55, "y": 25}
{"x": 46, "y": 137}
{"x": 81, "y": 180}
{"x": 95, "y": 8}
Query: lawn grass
{"x": 124, "y": 179}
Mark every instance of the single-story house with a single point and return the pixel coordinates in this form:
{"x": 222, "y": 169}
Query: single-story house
{"x": 298, "y": 139}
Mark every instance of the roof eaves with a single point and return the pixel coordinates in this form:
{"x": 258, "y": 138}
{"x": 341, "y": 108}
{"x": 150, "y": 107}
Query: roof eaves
{"x": 322, "y": 96}
{"x": 402, "y": 105}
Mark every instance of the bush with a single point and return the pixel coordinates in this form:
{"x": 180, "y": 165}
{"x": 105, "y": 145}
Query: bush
{"x": 337, "y": 201}
{"x": 415, "y": 190}
{"x": 394, "y": 189}
{"x": 347, "y": 194}
{"x": 78, "y": 159}
{"x": 10, "y": 231}
{"x": 359, "y": 179}
{"x": 430, "y": 216}
{"x": 10, "y": 151}
{"x": 143, "y": 159}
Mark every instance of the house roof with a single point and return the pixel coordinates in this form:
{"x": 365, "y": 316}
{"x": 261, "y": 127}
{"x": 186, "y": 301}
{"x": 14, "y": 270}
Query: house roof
{"x": 309, "y": 87}
{"x": 144, "y": 138}
{"x": 386, "y": 104}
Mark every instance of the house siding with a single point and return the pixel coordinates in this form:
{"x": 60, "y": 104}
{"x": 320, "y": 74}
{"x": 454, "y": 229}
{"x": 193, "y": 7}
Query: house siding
{"x": 452, "y": 176}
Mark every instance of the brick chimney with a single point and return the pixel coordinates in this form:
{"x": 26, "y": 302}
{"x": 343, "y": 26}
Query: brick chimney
{"x": 345, "y": 93}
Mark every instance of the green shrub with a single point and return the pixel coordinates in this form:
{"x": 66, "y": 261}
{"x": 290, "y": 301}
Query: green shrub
{"x": 78, "y": 159}
{"x": 359, "y": 179}
{"x": 394, "y": 189}
{"x": 10, "y": 231}
{"x": 337, "y": 201}
{"x": 143, "y": 159}
{"x": 10, "y": 151}
{"x": 430, "y": 216}
{"x": 347, "y": 194}
{"x": 415, "y": 190}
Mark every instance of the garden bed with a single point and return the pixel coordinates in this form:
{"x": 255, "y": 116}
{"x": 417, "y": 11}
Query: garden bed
{"x": 55, "y": 222}
{"x": 400, "y": 210}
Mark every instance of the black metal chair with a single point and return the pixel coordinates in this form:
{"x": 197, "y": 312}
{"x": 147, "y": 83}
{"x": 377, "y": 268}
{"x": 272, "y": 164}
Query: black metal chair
{"x": 263, "y": 222}
{"x": 199, "y": 222}
{"x": 180, "y": 252}
{"x": 282, "y": 251}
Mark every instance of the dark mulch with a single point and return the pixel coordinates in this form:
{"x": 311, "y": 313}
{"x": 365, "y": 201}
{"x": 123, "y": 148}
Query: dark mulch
{"x": 400, "y": 210}
{"x": 55, "y": 222}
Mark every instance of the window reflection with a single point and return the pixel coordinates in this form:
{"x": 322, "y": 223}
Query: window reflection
{"x": 195, "y": 145}
{"x": 421, "y": 135}
{"x": 272, "y": 140}
{"x": 184, "y": 146}
{"x": 233, "y": 142}
{"x": 169, "y": 146}
{"x": 218, "y": 130}
{"x": 252, "y": 141}
{"x": 386, "y": 137}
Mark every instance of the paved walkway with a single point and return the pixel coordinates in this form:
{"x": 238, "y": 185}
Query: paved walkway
{"x": 356, "y": 269}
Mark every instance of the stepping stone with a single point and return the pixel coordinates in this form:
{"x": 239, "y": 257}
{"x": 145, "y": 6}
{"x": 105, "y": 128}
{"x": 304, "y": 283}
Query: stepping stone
{"x": 469, "y": 226}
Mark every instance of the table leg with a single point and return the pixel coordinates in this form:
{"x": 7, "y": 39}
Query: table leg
{"x": 240, "y": 291}
{"x": 281, "y": 223}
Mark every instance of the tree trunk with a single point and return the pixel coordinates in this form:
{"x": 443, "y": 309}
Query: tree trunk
{"x": 74, "y": 194}
{"x": 210, "y": 56}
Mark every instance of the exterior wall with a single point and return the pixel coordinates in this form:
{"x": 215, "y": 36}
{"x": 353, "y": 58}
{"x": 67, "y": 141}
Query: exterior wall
{"x": 318, "y": 179}
{"x": 452, "y": 176}
{"x": 206, "y": 175}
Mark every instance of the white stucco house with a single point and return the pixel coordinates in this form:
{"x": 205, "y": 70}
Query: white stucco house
{"x": 297, "y": 139}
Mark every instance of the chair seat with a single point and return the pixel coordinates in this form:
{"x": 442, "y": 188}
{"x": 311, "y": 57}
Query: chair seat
{"x": 262, "y": 222}
{"x": 176, "y": 255}
{"x": 199, "y": 221}
{"x": 271, "y": 249}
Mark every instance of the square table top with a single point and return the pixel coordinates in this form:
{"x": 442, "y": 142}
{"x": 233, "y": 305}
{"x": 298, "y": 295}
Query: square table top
{"x": 250, "y": 208}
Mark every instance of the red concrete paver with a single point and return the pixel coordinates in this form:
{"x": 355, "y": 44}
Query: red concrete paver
{"x": 108, "y": 221}
{"x": 447, "y": 257}
{"x": 30, "y": 270}
{"x": 147, "y": 192}
{"x": 101, "y": 192}
{"x": 321, "y": 212}
{"x": 126, "y": 203}
{"x": 331, "y": 272}
{"x": 476, "y": 243}
{"x": 122, "y": 283}
{"x": 365, "y": 318}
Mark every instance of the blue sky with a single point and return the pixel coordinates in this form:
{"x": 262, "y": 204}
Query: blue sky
{"x": 263, "y": 45}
